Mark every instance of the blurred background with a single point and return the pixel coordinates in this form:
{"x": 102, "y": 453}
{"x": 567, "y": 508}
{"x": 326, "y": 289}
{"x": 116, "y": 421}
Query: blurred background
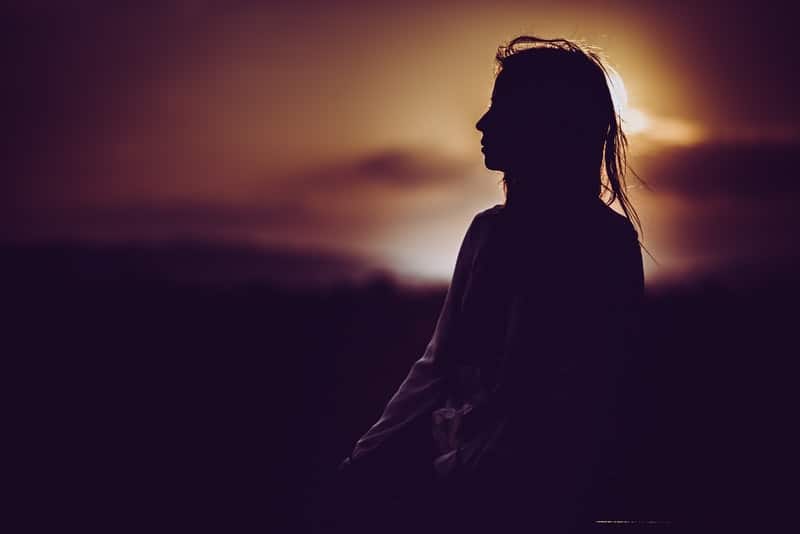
{"x": 228, "y": 227}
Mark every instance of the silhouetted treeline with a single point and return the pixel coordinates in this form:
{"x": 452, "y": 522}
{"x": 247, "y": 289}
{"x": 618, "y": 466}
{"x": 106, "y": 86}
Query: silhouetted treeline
{"x": 175, "y": 406}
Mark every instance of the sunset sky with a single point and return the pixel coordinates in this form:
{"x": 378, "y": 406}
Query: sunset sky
{"x": 350, "y": 126}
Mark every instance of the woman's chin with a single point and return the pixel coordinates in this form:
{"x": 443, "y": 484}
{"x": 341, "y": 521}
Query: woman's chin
{"x": 491, "y": 164}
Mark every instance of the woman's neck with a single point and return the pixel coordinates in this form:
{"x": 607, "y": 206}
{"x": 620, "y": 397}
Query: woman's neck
{"x": 524, "y": 199}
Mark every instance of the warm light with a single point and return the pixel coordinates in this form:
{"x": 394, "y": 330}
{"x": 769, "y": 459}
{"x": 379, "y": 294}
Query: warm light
{"x": 633, "y": 120}
{"x": 618, "y": 92}
{"x": 664, "y": 130}
{"x": 674, "y": 131}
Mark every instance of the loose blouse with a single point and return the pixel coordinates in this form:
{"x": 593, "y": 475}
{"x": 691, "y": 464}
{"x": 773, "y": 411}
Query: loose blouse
{"x": 546, "y": 303}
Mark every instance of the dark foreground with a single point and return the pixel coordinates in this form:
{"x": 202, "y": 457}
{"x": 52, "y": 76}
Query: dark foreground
{"x": 148, "y": 405}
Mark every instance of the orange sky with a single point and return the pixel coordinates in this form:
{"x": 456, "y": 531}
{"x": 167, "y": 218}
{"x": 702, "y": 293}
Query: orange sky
{"x": 350, "y": 125}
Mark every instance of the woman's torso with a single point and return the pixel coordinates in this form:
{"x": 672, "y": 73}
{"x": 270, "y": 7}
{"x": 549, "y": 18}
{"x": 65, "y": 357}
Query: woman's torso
{"x": 548, "y": 313}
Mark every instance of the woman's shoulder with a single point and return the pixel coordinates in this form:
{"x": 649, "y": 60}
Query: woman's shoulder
{"x": 484, "y": 219}
{"x": 494, "y": 211}
{"x": 623, "y": 226}
{"x": 602, "y": 224}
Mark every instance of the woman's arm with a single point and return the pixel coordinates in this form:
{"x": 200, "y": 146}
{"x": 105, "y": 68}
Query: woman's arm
{"x": 422, "y": 387}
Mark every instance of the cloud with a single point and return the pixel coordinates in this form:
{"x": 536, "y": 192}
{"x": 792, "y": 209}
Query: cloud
{"x": 715, "y": 206}
{"x": 195, "y": 260}
{"x": 397, "y": 168}
{"x": 159, "y": 217}
{"x": 724, "y": 170}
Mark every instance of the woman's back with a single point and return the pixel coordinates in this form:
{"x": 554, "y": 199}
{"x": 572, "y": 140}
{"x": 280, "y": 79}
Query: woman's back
{"x": 550, "y": 308}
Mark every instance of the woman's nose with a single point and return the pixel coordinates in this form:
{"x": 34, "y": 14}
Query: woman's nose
{"x": 481, "y": 122}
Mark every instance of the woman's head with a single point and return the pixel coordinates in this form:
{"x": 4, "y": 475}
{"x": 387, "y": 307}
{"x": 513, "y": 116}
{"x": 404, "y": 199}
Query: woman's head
{"x": 552, "y": 126}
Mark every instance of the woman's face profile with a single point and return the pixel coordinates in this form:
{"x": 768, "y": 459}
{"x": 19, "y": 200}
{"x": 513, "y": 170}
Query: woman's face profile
{"x": 516, "y": 128}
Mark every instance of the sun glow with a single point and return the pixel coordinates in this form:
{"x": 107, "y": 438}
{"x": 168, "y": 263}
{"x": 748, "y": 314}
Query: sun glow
{"x": 666, "y": 130}
{"x": 633, "y": 120}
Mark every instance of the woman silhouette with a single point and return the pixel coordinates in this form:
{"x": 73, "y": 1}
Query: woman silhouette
{"x": 540, "y": 311}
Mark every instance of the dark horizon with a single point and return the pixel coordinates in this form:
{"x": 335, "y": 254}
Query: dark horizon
{"x": 189, "y": 261}
{"x": 234, "y": 403}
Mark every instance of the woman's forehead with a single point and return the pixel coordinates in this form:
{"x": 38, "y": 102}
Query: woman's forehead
{"x": 509, "y": 86}
{"x": 502, "y": 83}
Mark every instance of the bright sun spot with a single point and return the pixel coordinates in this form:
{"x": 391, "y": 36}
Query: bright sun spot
{"x": 661, "y": 129}
{"x": 618, "y": 92}
{"x": 633, "y": 120}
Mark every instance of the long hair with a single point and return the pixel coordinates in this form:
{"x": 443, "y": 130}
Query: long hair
{"x": 582, "y": 82}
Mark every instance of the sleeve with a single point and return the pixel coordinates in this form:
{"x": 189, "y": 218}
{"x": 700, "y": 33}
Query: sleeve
{"x": 422, "y": 388}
